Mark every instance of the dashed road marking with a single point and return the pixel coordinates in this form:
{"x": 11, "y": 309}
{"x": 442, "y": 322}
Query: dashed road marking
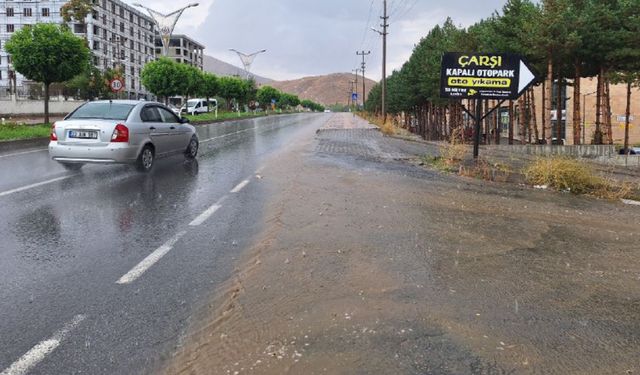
{"x": 227, "y": 135}
{"x": 240, "y": 186}
{"x": 39, "y": 352}
{"x": 207, "y": 213}
{"x": 150, "y": 260}
{"x": 23, "y": 153}
{"x": 17, "y": 190}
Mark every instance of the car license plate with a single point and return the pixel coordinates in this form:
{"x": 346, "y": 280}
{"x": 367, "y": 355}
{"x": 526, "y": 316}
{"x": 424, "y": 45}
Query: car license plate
{"x": 83, "y": 134}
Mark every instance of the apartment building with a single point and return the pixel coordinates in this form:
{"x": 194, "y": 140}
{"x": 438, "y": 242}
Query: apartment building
{"x": 118, "y": 35}
{"x": 183, "y": 50}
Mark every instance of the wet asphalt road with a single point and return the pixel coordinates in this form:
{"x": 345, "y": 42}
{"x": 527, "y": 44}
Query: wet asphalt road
{"x": 65, "y": 244}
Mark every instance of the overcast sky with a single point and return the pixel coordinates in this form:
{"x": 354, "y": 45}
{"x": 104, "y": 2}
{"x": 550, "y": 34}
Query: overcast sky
{"x": 315, "y": 37}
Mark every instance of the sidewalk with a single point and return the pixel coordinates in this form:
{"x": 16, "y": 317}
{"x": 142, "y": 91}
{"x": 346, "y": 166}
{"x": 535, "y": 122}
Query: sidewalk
{"x": 370, "y": 265}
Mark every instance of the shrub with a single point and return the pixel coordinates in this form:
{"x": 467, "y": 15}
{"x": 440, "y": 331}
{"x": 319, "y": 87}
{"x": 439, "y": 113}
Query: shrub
{"x": 566, "y": 174}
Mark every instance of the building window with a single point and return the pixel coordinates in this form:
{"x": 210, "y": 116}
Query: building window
{"x": 122, "y": 27}
{"x": 10, "y": 28}
{"x": 78, "y": 28}
{"x": 122, "y": 12}
{"x": 45, "y": 12}
{"x": 104, "y": 19}
{"x": 96, "y": 45}
{"x": 104, "y": 33}
{"x": 113, "y": 24}
{"x": 131, "y": 44}
{"x": 27, "y": 12}
{"x": 113, "y": 8}
{"x": 9, "y": 12}
{"x": 131, "y": 30}
{"x": 96, "y": 30}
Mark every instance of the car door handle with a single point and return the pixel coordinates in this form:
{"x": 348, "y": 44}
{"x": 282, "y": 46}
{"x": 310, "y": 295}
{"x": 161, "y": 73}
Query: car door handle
{"x": 173, "y": 127}
{"x": 152, "y": 128}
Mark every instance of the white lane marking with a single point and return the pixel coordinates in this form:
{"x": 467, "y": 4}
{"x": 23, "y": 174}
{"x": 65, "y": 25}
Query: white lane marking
{"x": 23, "y": 153}
{"x": 226, "y": 135}
{"x": 150, "y": 260}
{"x": 17, "y": 190}
{"x": 207, "y": 213}
{"x": 39, "y": 352}
{"x": 631, "y": 202}
{"x": 240, "y": 186}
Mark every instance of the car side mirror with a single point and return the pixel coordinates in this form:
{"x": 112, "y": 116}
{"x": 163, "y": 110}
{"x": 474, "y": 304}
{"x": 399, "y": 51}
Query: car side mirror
{"x": 184, "y": 120}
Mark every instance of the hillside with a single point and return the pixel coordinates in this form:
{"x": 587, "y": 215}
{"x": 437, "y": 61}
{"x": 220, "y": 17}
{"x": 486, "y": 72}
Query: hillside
{"x": 327, "y": 90}
{"x": 221, "y": 68}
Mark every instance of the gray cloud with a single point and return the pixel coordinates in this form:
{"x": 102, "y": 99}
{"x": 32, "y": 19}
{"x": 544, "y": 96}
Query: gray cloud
{"x": 305, "y": 37}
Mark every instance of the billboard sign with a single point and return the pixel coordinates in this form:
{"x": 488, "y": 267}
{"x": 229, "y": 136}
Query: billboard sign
{"x": 484, "y": 76}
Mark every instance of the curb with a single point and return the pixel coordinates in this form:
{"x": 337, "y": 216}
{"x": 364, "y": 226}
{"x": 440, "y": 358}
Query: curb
{"x": 23, "y": 144}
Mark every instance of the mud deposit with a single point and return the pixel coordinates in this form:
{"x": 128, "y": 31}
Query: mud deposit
{"x": 374, "y": 266}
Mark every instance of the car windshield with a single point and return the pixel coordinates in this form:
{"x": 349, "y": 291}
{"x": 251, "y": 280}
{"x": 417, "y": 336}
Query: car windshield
{"x": 106, "y": 111}
{"x": 192, "y": 103}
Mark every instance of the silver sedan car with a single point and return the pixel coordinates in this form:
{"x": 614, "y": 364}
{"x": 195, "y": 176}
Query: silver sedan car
{"x": 121, "y": 131}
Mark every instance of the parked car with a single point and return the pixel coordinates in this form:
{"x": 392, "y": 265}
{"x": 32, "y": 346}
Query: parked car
{"x": 197, "y": 106}
{"x": 121, "y": 131}
{"x": 632, "y": 151}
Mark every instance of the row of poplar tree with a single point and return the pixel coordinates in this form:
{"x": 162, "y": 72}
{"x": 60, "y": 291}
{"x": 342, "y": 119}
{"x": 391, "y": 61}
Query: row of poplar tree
{"x": 564, "y": 40}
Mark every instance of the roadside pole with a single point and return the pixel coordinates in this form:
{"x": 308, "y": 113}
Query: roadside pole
{"x": 476, "y": 138}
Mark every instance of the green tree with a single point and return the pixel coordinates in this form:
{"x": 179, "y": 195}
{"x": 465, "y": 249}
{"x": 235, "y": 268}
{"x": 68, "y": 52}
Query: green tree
{"x": 210, "y": 86}
{"x": 232, "y": 89}
{"x": 89, "y": 84}
{"x": 288, "y": 101}
{"x": 189, "y": 80}
{"x": 76, "y": 10}
{"x": 46, "y": 53}
{"x": 266, "y": 94}
{"x": 161, "y": 78}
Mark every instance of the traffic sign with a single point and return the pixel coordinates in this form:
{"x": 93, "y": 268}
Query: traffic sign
{"x": 354, "y": 96}
{"x": 484, "y": 76}
{"x": 116, "y": 84}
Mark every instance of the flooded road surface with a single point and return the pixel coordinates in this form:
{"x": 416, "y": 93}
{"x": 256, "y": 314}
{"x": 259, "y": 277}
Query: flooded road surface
{"x": 369, "y": 264}
{"x": 101, "y": 270}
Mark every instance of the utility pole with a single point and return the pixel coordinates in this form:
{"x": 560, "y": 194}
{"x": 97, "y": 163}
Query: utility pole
{"x": 363, "y": 66}
{"x": 355, "y": 88}
{"x": 384, "y": 33}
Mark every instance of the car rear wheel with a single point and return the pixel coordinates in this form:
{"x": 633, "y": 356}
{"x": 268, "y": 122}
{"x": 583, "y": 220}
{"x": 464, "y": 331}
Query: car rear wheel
{"x": 72, "y": 166}
{"x": 146, "y": 159}
{"x": 192, "y": 149}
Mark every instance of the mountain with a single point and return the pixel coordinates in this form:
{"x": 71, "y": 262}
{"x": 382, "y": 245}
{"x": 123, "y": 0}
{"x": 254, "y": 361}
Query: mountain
{"x": 327, "y": 90}
{"x": 221, "y": 68}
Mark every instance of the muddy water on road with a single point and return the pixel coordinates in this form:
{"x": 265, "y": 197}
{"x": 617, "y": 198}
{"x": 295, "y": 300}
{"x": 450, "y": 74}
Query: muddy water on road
{"x": 376, "y": 267}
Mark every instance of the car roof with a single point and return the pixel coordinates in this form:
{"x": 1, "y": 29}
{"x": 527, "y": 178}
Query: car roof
{"x": 125, "y": 101}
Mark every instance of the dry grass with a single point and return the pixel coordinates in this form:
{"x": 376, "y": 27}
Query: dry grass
{"x": 566, "y": 174}
{"x": 484, "y": 170}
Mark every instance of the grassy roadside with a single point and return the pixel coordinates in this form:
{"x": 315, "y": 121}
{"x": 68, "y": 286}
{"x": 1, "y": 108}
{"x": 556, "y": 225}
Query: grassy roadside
{"x": 207, "y": 118}
{"x": 559, "y": 173}
{"x": 12, "y": 131}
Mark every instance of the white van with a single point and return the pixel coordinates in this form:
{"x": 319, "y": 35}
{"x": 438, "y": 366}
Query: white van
{"x": 196, "y": 106}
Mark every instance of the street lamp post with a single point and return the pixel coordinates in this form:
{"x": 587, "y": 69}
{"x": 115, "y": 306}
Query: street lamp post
{"x": 247, "y": 60}
{"x": 166, "y": 23}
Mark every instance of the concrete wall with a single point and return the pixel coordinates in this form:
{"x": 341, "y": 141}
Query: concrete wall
{"x": 579, "y": 151}
{"x": 9, "y": 107}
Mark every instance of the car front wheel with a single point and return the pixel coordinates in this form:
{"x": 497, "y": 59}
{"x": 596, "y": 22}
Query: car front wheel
{"x": 145, "y": 159}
